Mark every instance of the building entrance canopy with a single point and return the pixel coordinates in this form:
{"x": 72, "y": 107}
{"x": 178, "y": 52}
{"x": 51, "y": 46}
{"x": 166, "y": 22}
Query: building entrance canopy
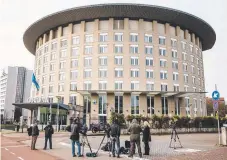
{"x": 33, "y": 106}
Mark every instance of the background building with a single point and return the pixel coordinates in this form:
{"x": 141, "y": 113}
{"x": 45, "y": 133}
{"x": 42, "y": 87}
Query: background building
{"x": 127, "y": 58}
{"x": 15, "y": 87}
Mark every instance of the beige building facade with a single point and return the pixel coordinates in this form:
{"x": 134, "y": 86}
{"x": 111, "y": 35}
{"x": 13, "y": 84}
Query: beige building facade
{"x": 124, "y": 65}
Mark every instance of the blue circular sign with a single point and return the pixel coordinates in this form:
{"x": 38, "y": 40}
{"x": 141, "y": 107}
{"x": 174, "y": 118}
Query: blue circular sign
{"x": 216, "y": 95}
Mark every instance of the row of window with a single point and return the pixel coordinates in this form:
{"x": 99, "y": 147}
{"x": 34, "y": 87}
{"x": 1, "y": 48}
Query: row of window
{"x": 102, "y": 85}
{"x": 118, "y": 37}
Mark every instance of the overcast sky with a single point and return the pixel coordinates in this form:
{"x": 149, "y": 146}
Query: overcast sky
{"x": 17, "y": 15}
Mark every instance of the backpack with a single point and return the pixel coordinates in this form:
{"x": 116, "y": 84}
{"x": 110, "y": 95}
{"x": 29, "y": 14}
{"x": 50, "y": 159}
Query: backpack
{"x": 29, "y": 131}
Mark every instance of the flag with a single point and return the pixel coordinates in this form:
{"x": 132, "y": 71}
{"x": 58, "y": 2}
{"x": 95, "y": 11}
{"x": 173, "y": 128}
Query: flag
{"x": 35, "y": 82}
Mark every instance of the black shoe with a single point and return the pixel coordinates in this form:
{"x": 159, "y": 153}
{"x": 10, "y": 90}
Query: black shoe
{"x": 80, "y": 156}
{"x": 74, "y": 155}
{"x": 130, "y": 156}
{"x": 44, "y": 148}
{"x": 118, "y": 156}
{"x": 114, "y": 156}
{"x": 140, "y": 155}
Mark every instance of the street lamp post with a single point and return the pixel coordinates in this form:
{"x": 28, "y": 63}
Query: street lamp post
{"x": 58, "y": 97}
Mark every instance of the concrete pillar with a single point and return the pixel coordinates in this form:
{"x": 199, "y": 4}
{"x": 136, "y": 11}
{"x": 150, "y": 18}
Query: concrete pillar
{"x": 157, "y": 105}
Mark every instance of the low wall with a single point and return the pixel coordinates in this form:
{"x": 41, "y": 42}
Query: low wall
{"x": 179, "y": 130}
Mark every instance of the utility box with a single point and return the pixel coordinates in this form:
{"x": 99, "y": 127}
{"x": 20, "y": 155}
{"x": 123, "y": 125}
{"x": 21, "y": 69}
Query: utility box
{"x": 224, "y": 135}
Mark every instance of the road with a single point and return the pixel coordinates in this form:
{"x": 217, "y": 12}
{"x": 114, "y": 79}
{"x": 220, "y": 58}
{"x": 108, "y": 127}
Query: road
{"x": 11, "y": 149}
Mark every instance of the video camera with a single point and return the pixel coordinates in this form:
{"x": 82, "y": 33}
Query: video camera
{"x": 173, "y": 124}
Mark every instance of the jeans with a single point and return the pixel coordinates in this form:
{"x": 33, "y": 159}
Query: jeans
{"x": 146, "y": 148}
{"x": 34, "y": 138}
{"x": 115, "y": 140}
{"x": 73, "y": 147}
{"x": 133, "y": 146}
{"x": 50, "y": 142}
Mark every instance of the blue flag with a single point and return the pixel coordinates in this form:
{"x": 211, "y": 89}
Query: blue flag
{"x": 35, "y": 82}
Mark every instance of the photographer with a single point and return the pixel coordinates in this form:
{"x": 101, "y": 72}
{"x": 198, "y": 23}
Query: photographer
{"x": 83, "y": 133}
{"x": 115, "y": 133}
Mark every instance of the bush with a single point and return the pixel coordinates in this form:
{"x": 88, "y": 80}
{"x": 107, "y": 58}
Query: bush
{"x": 119, "y": 117}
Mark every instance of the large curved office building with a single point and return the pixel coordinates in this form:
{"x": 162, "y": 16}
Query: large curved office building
{"x": 125, "y": 58}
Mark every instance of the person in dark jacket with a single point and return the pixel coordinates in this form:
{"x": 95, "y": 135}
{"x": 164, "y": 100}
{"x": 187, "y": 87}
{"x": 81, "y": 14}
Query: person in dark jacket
{"x": 146, "y": 137}
{"x": 75, "y": 137}
{"x": 49, "y": 130}
{"x": 35, "y": 134}
{"x": 115, "y": 133}
{"x": 135, "y": 131}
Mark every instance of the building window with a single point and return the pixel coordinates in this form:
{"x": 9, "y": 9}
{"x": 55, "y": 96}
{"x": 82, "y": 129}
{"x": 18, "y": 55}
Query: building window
{"x": 87, "y": 85}
{"x": 134, "y": 49}
{"x": 175, "y": 76}
{"x": 51, "y": 89}
{"x": 43, "y": 90}
{"x": 185, "y": 88}
{"x": 148, "y": 38}
{"x": 175, "y": 65}
{"x": 199, "y": 81}
{"x": 174, "y": 53}
{"x": 118, "y": 48}
{"x": 134, "y": 104}
{"x": 118, "y": 37}
{"x": 164, "y": 87}
{"x": 102, "y": 85}
{"x": 102, "y": 104}
{"x": 64, "y": 31}
{"x": 61, "y": 87}
{"x": 150, "y": 86}
{"x": 163, "y": 63}
{"x": 163, "y": 74}
{"x": 198, "y": 71}
{"x": 62, "y": 76}
{"x": 185, "y": 67}
{"x": 150, "y": 105}
{"x": 103, "y": 49}
{"x": 44, "y": 69}
{"x": 193, "y": 69}
{"x": 43, "y": 79}
{"x": 102, "y": 73}
{"x": 134, "y": 73}
{"x": 75, "y": 52}
{"x": 51, "y": 78}
{"x": 162, "y": 40}
{"x": 87, "y": 73}
{"x": 191, "y": 48}
{"x": 118, "y": 85}
{"x": 103, "y": 61}
{"x": 74, "y": 63}
{"x": 188, "y": 106}
{"x": 46, "y": 49}
{"x": 118, "y": 60}
{"x": 76, "y": 40}
{"x": 148, "y": 49}
{"x": 134, "y": 85}
{"x": 88, "y": 61}
{"x": 174, "y": 43}
{"x": 53, "y": 56}
{"x": 74, "y": 75}
{"x": 63, "y": 53}
{"x": 118, "y": 104}
{"x": 118, "y": 72}
{"x": 134, "y": 61}
{"x": 103, "y": 37}
{"x": 185, "y": 78}
{"x": 184, "y": 56}
{"x": 52, "y": 67}
{"x": 62, "y": 65}
{"x": 73, "y": 86}
{"x": 149, "y": 73}
{"x": 149, "y": 61}
{"x": 72, "y": 99}
{"x": 162, "y": 51}
{"x": 192, "y": 58}
{"x": 176, "y": 88}
{"x": 177, "y": 106}
{"x": 118, "y": 24}
{"x": 64, "y": 43}
{"x": 194, "y": 89}
{"x": 193, "y": 80}
{"x": 164, "y": 106}
{"x": 88, "y": 50}
{"x": 54, "y": 46}
{"x": 88, "y": 38}
{"x": 133, "y": 37}
{"x": 45, "y": 60}
{"x": 183, "y": 46}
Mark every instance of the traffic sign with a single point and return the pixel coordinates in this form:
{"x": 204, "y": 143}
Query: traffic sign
{"x": 215, "y": 95}
{"x": 215, "y": 105}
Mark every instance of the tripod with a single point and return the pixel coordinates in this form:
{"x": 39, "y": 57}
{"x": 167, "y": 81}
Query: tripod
{"x": 107, "y": 142}
{"x": 174, "y": 135}
{"x": 84, "y": 141}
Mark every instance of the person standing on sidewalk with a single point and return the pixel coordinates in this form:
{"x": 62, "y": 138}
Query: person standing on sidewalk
{"x": 135, "y": 131}
{"x": 35, "y": 134}
{"x": 146, "y": 137}
{"x": 75, "y": 137}
{"x": 49, "y": 130}
{"x": 115, "y": 133}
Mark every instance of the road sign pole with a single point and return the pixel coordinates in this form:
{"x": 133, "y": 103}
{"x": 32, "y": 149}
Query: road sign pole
{"x": 219, "y": 136}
